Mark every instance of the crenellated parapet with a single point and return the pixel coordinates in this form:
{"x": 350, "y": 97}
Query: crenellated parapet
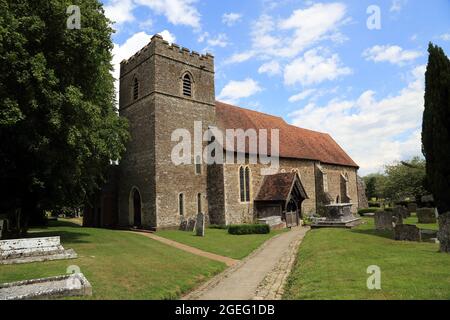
{"x": 159, "y": 46}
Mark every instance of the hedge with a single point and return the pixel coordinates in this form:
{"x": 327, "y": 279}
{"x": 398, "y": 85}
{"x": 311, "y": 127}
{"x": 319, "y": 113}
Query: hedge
{"x": 218, "y": 226}
{"x": 374, "y": 204}
{"x": 249, "y": 229}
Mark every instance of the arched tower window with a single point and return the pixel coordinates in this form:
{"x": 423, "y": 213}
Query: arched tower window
{"x": 135, "y": 89}
{"x": 187, "y": 85}
{"x": 244, "y": 184}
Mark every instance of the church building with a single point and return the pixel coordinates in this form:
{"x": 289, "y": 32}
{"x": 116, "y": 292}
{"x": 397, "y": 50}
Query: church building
{"x": 164, "y": 87}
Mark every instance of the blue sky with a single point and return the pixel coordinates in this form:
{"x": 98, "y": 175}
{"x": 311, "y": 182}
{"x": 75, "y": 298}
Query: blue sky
{"x": 314, "y": 63}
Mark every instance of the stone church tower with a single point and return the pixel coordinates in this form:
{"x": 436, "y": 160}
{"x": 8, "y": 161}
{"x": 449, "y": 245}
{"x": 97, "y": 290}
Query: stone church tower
{"x": 163, "y": 88}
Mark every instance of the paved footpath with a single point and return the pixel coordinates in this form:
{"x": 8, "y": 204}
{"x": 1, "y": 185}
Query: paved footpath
{"x": 259, "y": 276}
{"x": 228, "y": 261}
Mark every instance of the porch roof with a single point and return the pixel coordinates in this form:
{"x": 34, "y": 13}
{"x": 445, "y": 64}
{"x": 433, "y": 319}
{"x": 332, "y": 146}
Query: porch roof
{"x": 279, "y": 186}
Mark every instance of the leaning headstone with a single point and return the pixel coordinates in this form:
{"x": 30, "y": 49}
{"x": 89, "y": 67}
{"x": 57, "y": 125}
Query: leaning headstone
{"x": 444, "y": 232}
{"x": 401, "y": 211}
{"x": 412, "y": 207}
{"x": 384, "y": 220}
{"x": 183, "y": 225}
{"x": 407, "y": 232}
{"x": 426, "y": 215}
{"x": 191, "y": 225}
{"x": 200, "y": 225}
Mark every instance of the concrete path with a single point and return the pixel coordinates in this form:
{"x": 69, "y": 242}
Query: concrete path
{"x": 259, "y": 276}
{"x": 228, "y": 261}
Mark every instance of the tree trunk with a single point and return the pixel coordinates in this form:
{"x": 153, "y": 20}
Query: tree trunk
{"x": 444, "y": 232}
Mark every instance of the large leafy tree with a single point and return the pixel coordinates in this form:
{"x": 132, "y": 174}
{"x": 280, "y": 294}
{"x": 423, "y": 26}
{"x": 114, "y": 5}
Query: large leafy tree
{"x": 436, "y": 127}
{"x": 58, "y": 122}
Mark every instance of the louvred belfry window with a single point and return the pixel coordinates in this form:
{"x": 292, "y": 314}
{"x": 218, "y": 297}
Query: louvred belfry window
{"x": 187, "y": 85}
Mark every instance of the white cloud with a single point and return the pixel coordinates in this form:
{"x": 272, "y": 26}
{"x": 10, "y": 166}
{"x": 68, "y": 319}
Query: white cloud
{"x": 302, "y": 95}
{"x": 236, "y": 90}
{"x": 120, "y": 52}
{"x": 240, "y": 57}
{"x": 313, "y": 68}
{"x": 177, "y": 12}
{"x": 373, "y": 131}
{"x": 286, "y": 38}
{"x": 445, "y": 37}
{"x": 389, "y": 53}
{"x": 221, "y": 40}
{"x": 397, "y": 5}
{"x": 231, "y": 18}
{"x": 120, "y": 11}
{"x": 169, "y": 37}
{"x": 271, "y": 68}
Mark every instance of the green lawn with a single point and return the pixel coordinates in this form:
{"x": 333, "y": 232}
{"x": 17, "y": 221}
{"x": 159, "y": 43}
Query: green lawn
{"x": 120, "y": 265}
{"x": 220, "y": 242}
{"x": 332, "y": 264}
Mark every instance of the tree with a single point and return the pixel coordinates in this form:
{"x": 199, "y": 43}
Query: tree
{"x": 59, "y": 125}
{"x": 436, "y": 127}
{"x": 375, "y": 185}
{"x": 436, "y": 137}
{"x": 405, "y": 179}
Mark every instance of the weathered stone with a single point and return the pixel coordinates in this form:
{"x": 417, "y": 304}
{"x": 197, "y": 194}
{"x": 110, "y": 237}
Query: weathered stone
{"x": 33, "y": 250}
{"x": 444, "y": 232}
{"x": 426, "y": 215}
{"x": 401, "y": 211}
{"x": 412, "y": 207}
{"x": 363, "y": 203}
{"x": 384, "y": 220}
{"x": 427, "y": 198}
{"x": 183, "y": 224}
{"x": 191, "y": 224}
{"x": 407, "y": 232}
{"x": 47, "y": 288}
{"x": 2, "y": 228}
{"x": 200, "y": 225}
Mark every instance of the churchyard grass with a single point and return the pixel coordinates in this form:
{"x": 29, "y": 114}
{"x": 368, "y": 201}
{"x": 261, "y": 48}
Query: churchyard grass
{"x": 220, "y": 242}
{"x": 332, "y": 264}
{"x": 119, "y": 265}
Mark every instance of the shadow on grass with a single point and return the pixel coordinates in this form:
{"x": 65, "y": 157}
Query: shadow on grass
{"x": 66, "y": 236}
{"x": 376, "y": 233}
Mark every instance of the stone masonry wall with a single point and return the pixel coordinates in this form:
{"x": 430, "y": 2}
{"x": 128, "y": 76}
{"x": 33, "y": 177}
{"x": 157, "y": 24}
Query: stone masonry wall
{"x": 238, "y": 212}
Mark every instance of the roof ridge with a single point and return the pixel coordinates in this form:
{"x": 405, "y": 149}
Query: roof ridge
{"x": 246, "y": 109}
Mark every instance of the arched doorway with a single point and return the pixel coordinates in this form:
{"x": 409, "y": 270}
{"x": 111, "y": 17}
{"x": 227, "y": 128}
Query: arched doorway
{"x": 137, "y": 208}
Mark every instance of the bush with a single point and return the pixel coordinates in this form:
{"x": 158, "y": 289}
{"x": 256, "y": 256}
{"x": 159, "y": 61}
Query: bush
{"x": 249, "y": 229}
{"x": 362, "y": 212}
{"x": 388, "y": 209}
{"x": 374, "y": 204}
{"x": 218, "y": 226}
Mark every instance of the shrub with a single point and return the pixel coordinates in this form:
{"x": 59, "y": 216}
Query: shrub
{"x": 218, "y": 226}
{"x": 374, "y": 204}
{"x": 249, "y": 229}
{"x": 388, "y": 209}
{"x": 362, "y": 212}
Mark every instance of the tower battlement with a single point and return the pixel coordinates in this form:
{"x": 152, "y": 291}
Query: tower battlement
{"x": 159, "y": 46}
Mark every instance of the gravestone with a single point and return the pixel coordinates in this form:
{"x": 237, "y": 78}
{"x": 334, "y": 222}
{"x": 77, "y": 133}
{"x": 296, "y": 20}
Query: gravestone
{"x": 191, "y": 224}
{"x": 183, "y": 224}
{"x": 384, "y": 220}
{"x": 401, "y": 211}
{"x": 444, "y": 232}
{"x": 412, "y": 207}
{"x": 426, "y": 215}
{"x": 33, "y": 250}
{"x": 407, "y": 232}
{"x": 3, "y": 228}
{"x": 200, "y": 225}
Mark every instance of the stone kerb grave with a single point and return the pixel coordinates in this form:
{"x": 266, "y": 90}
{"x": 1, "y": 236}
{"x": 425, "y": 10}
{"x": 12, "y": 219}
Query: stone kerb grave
{"x": 33, "y": 250}
{"x": 47, "y": 288}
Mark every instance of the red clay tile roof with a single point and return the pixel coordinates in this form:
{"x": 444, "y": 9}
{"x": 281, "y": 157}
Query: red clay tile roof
{"x": 295, "y": 142}
{"x": 277, "y": 187}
